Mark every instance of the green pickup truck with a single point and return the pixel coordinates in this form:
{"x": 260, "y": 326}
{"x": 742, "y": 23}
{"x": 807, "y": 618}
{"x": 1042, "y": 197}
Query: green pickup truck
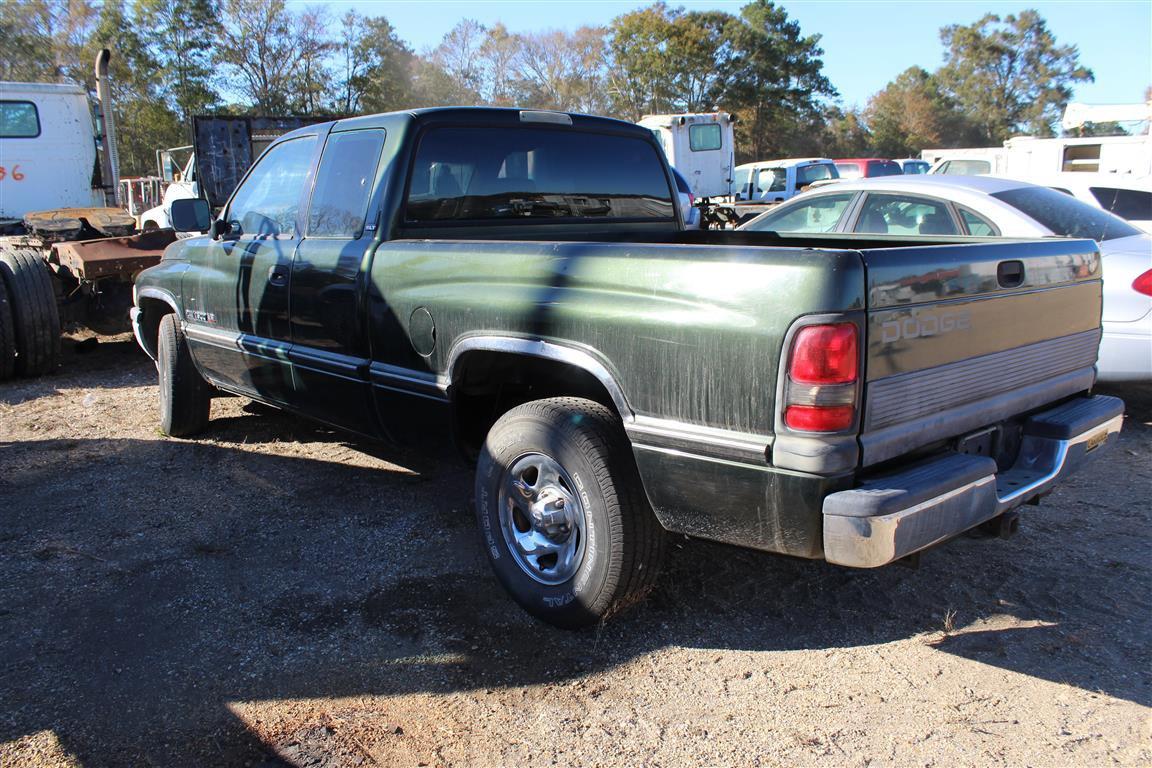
{"x": 517, "y": 285}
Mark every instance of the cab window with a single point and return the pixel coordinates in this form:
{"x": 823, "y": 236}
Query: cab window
{"x": 19, "y": 120}
{"x": 903, "y": 215}
{"x": 535, "y": 175}
{"x": 267, "y": 202}
{"x": 771, "y": 180}
{"x": 818, "y": 172}
{"x": 344, "y": 183}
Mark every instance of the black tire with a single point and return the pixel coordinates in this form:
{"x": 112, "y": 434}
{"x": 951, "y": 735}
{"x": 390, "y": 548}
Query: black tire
{"x": 7, "y": 337}
{"x": 35, "y": 321}
{"x": 623, "y": 541}
{"x": 185, "y": 398}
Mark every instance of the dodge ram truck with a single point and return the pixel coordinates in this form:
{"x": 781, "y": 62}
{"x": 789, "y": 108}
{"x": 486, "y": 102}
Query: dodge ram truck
{"x": 516, "y": 284}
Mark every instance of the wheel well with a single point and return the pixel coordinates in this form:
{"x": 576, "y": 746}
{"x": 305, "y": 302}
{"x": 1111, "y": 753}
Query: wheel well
{"x": 486, "y": 385}
{"x": 152, "y": 311}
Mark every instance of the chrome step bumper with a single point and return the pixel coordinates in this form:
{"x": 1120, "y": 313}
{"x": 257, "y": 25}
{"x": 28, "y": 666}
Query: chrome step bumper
{"x": 893, "y": 516}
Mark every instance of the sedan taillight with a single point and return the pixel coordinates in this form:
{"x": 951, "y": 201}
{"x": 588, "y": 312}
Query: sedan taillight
{"x": 1143, "y": 283}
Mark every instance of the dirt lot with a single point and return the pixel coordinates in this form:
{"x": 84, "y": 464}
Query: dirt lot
{"x": 276, "y": 595}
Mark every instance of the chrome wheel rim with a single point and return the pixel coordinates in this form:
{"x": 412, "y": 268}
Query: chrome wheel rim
{"x": 542, "y": 519}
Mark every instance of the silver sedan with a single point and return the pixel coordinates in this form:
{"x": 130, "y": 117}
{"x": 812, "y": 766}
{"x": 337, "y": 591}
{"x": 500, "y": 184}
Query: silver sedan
{"x": 983, "y": 206}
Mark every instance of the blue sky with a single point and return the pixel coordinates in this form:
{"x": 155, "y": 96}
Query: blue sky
{"x": 866, "y": 42}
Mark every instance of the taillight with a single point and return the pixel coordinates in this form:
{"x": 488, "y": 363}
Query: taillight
{"x": 823, "y": 366}
{"x": 1143, "y": 284}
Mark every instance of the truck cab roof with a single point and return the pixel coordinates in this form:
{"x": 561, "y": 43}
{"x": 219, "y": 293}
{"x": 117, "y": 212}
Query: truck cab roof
{"x": 509, "y": 116}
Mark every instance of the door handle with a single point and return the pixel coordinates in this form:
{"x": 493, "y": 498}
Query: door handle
{"x": 1010, "y": 274}
{"x": 278, "y": 275}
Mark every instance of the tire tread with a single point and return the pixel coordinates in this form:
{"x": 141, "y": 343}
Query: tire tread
{"x": 186, "y": 409}
{"x": 35, "y": 319}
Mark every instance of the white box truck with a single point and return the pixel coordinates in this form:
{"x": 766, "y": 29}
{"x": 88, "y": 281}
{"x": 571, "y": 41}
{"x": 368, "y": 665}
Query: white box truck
{"x": 699, "y": 145}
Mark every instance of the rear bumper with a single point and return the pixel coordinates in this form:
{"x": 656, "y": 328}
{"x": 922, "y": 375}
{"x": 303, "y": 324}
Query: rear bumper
{"x": 893, "y": 516}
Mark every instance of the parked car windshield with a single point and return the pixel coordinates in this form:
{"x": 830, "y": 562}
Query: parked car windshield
{"x": 1064, "y": 215}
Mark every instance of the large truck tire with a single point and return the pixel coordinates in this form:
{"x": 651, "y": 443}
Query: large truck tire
{"x": 564, "y": 518}
{"x": 35, "y": 321}
{"x": 7, "y": 337}
{"x": 185, "y": 398}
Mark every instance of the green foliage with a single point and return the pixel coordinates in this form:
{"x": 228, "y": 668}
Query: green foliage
{"x": 174, "y": 59}
{"x": 846, "y": 134}
{"x": 178, "y": 35}
{"x": 775, "y": 84}
{"x": 1009, "y": 75}
{"x": 912, "y": 113}
{"x": 374, "y": 65}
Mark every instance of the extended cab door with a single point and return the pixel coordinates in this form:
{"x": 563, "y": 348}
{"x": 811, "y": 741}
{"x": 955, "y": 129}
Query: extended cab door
{"x": 330, "y": 354}
{"x": 237, "y": 289}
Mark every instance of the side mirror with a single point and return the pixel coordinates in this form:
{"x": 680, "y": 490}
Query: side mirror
{"x": 190, "y": 215}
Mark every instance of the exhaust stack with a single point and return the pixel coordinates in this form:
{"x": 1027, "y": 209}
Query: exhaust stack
{"x": 110, "y": 159}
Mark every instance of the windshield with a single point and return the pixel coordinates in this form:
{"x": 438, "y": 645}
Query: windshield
{"x": 1064, "y": 215}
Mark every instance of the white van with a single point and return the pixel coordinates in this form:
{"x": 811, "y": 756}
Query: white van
{"x": 700, "y": 146}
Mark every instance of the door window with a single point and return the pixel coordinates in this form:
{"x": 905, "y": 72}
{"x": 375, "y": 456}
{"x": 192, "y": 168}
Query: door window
{"x": 903, "y": 215}
{"x": 815, "y": 214}
{"x": 977, "y": 225}
{"x": 344, "y": 183}
{"x": 267, "y": 202}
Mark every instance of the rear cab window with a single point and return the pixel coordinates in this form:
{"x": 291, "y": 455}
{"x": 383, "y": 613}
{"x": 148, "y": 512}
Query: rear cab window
{"x": 704, "y": 137}
{"x": 807, "y": 174}
{"x": 883, "y": 168}
{"x": 532, "y": 174}
{"x": 19, "y": 120}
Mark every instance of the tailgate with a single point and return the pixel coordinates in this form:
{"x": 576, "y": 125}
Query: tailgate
{"x": 964, "y": 336}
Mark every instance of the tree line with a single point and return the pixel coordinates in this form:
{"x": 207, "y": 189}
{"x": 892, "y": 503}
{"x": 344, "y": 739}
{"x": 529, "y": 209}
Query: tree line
{"x": 177, "y": 58}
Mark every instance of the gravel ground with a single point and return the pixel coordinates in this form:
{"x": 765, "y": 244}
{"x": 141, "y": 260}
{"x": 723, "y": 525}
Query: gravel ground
{"x": 276, "y": 594}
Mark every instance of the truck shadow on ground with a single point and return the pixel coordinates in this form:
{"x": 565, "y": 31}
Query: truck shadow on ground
{"x": 148, "y": 585}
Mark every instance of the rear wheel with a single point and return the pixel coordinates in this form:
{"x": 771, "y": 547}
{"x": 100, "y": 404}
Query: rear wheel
{"x": 185, "y": 398}
{"x": 566, "y": 524}
{"x": 7, "y": 340}
{"x": 35, "y": 321}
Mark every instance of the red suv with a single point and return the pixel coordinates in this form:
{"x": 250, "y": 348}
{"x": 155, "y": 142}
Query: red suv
{"x": 867, "y": 167}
